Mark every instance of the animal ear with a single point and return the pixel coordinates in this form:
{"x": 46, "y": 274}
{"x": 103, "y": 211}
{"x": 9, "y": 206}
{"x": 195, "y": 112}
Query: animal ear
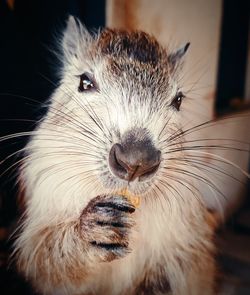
{"x": 176, "y": 56}
{"x": 75, "y": 35}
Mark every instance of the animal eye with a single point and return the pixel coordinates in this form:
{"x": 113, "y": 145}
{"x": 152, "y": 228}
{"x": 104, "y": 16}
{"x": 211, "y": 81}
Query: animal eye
{"x": 86, "y": 83}
{"x": 176, "y": 102}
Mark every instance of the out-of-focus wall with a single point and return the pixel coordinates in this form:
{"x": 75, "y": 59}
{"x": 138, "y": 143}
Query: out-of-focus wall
{"x": 174, "y": 22}
{"x": 247, "y": 90}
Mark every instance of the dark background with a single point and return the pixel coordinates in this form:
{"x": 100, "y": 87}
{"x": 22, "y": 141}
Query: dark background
{"x": 28, "y": 75}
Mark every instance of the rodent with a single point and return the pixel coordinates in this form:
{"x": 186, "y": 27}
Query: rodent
{"x": 111, "y": 125}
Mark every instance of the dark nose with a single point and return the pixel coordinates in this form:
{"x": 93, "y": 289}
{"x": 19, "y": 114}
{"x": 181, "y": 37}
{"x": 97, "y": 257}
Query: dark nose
{"x": 135, "y": 160}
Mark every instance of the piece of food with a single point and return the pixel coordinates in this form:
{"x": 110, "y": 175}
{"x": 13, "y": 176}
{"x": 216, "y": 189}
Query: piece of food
{"x": 133, "y": 199}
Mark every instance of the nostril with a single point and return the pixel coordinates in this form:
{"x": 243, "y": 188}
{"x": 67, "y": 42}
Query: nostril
{"x": 118, "y": 157}
{"x": 150, "y": 171}
{"x": 116, "y": 164}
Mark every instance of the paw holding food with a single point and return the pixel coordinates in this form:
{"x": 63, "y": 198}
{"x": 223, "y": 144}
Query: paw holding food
{"x": 105, "y": 224}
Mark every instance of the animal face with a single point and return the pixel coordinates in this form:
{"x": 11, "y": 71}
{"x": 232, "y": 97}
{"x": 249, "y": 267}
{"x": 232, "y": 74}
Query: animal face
{"x": 122, "y": 89}
{"x": 109, "y": 122}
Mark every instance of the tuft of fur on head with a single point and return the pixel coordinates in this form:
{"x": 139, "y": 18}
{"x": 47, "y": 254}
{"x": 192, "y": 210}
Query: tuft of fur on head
{"x": 66, "y": 166}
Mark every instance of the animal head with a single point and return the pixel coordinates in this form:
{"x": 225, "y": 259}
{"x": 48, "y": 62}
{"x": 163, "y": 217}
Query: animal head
{"x": 116, "y": 108}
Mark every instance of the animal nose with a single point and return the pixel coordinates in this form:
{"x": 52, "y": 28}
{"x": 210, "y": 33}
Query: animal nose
{"x": 137, "y": 160}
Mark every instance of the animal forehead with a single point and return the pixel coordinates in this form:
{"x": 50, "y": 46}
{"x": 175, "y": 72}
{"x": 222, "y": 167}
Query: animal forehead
{"x": 137, "y": 45}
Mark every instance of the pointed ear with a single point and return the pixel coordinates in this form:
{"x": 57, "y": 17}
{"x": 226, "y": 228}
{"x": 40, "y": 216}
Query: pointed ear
{"x": 75, "y": 35}
{"x": 176, "y": 56}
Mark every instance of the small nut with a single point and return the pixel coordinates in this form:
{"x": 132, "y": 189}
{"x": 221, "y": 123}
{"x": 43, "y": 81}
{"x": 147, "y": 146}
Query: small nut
{"x": 133, "y": 199}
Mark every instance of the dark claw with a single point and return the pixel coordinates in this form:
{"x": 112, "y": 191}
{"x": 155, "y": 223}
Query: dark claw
{"x": 124, "y": 208}
{"x": 110, "y": 212}
{"x": 109, "y": 247}
{"x": 114, "y": 224}
{"x": 109, "y": 204}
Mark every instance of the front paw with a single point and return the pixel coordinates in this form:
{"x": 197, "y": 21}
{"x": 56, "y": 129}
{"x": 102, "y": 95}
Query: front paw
{"x": 105, "y": 225}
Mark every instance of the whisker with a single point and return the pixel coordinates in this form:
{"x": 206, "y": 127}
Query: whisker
{"x": 202, "y": 162}
{"x": 180, "y": 182}
{"x": 210, "y": 123}
{"x": 206, "y": 147}
{"x": 223, "y": 159}
{"x": 204, "y": 180}
{"x": 94, "y": 117}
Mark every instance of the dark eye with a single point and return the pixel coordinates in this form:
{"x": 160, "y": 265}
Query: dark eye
{"x": 86, "y": 83}
{"x": 176, "y": 102}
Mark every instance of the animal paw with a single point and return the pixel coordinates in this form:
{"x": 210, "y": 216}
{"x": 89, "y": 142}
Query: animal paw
{"x": 105, "y": 225}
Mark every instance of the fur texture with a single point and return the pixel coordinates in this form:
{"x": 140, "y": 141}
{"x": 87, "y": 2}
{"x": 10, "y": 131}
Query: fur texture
{"x": 72, "y": 207}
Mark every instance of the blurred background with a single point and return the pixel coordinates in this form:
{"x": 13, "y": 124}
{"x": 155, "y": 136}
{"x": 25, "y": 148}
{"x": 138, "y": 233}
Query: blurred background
{"x": 216, "y": 74}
